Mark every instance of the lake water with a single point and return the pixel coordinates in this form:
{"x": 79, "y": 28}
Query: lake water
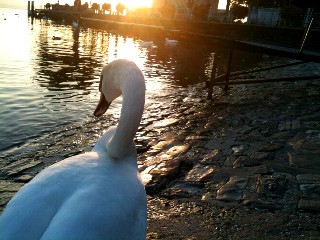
{"x": 48, "y": 84}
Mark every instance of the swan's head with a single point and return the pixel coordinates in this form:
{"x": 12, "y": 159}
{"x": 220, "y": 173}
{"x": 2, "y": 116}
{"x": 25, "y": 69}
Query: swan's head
{"x": 122, "y": 77}
{"x": 119, "y": 77}
{"x": 108, "y": 87}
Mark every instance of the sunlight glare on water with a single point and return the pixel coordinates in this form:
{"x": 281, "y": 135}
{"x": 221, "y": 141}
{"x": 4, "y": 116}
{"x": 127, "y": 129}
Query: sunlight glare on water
{"x": 47, "y": 83}
{"x": 50, "y": 71}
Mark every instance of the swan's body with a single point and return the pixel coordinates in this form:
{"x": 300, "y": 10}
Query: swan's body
{"x": 171, "y": 42}
{"x": 75, "y": 24}
{"x": 95, "y": 195}
{"x": 146, "y": 44}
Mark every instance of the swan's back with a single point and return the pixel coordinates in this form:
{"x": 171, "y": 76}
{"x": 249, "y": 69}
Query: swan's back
{"x": 88, "y": 196}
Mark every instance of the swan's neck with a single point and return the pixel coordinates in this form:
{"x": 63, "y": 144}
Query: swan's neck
{"x": 133, "y": 93}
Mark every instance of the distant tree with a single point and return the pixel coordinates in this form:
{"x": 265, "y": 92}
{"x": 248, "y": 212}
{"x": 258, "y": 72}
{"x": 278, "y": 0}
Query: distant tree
{"x": 306, "y": 4}
{"x": 168, "y": 10}
{"x": 277, "y": 3}
{"x": 239, "y": 11}
{"x": 290, "y": 9}
{"x": 67, "y": 7}
{"x": 84, "y": 7}
{"x": 106, "y": 7}
{"x": 77, "y": 5}
{"x": 292, "y": 15}
{"x": 200, "y": 12}
{"x": 228, "y": 6}
{"x": 190, "y": 3}
{"x": 55, "y": 6}
{"x": 260, "y": 3}
{"x": 95, "y": 7}
{"x": 47, "y": 6}
{"x": 140, "y": 11}
{"x": 240, "y": 8}
{"x": 120, "y": 8}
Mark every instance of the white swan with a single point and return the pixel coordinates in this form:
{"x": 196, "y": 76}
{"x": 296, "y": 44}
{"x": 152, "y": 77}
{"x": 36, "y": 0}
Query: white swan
{"x": 171, "y": 42}
{"x": 75, "y": 24}
{"x": 95, "y": 195}
{"x": 146, "y": 44}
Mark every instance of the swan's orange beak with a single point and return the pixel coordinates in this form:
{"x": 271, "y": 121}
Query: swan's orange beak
{"x": 102, "y": 106}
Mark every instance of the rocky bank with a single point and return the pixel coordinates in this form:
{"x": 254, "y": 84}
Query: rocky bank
{"x": 245, "y": 165}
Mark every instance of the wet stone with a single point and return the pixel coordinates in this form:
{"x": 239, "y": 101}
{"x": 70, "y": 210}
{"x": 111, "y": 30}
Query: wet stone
{"x": 272, "y": 187}
{"x": 200, "y": 173}
{"x": 213, "y": 144}
{"x": 262, "y": 170}
{"x": 260, "y": 204}
{"x": 312, "y": 147}
{"x": 297, "y": 141}
{"x": 163, "y": 145}
{"x": 166, "y": 122}
{"x": 308, "y": 178}
{"x": 24, "y": 178}
{"x": 307, "y": 160}
{"x": 281, "y": 135}
{"x": 183, "y": 190}
{"x": 310, "y": 188}
{"x": 196, "y": 138}
{"x": 20, "y": 166}
{"x": 239, "y": 149}
{"x": 177, "y": 150}
{"x": 270, "y": 147}
{"x": 157, "y": 177}
{"x": 296, "y": 124}
{"x": 233, "y": 190}
{"x": 145, "y": 174}
{"x": 246, "y": 162}
{"x": 259, "y": 156}
{"x": 309, "y": 205}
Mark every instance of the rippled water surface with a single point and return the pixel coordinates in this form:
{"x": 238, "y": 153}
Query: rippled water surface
{"x": 47, "y": 83}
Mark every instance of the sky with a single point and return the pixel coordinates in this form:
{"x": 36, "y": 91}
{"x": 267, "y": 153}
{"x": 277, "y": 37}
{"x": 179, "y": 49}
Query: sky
{"x": 23, "y": 4}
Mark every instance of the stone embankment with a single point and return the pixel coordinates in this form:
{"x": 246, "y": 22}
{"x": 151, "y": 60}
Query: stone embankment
{"x": 256, "y": 145}
{"x": 245, "y": 165}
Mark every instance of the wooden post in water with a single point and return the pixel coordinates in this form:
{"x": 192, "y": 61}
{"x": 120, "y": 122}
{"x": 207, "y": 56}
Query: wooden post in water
{"x": 29, "y": 12}
{"x": 31, "y": 8}
{"x": 213, "y": 75}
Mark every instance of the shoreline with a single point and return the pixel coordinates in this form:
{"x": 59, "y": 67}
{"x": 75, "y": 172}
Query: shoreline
{"x": 244, "y": 165}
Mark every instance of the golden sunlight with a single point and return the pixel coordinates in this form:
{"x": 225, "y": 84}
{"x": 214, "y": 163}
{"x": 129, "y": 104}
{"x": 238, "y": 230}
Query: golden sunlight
{"x": 129, "y": 3}
{"x": 137, "y": 3}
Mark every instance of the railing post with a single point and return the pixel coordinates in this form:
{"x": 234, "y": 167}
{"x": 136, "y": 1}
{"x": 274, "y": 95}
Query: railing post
{"x": 213, "y": 75}
{"x": 226, "y": 87}
{"x": 29, "y": 12}
{"x": 305, "y": 35}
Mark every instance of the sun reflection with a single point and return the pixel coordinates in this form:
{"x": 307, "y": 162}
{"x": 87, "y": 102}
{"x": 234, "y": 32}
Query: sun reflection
{"x": 138, "y": 3}
{"x": 13, "y": 29}
{"x": 122, "y": 47}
